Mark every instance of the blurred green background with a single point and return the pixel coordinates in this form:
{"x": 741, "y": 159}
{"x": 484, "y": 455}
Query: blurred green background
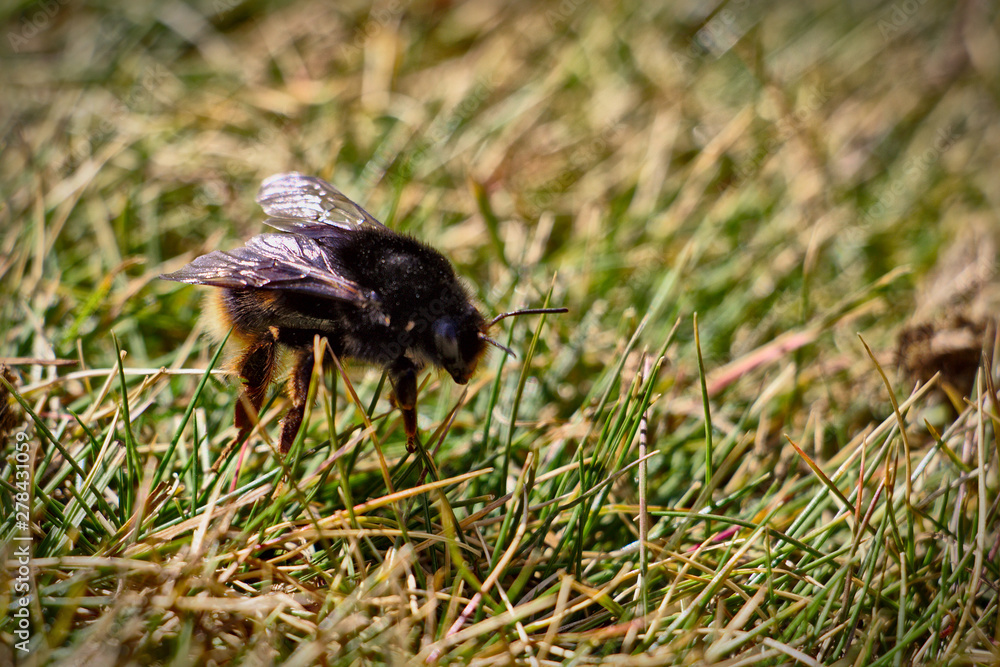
{"x": 770, "y": 159}
{"x": 794, "y": 173}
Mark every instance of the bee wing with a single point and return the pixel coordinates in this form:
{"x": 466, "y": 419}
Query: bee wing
{"x": 309, "y": 206}
{"x": 275, "y": 261}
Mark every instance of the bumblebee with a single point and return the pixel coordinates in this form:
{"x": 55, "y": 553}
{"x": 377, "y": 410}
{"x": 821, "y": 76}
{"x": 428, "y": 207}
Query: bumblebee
{"x": 333, "y": 270}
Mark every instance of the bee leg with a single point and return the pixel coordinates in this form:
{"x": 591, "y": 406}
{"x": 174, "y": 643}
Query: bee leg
{"x": 403, "y": 375}
{"x": 298, "y": 391}
{"x": 256, "y": 368}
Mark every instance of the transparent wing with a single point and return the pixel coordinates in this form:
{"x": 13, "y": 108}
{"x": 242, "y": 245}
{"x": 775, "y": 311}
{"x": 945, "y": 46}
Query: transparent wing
{"x": 275, "y": 261}
{"x": 309, "y": 206}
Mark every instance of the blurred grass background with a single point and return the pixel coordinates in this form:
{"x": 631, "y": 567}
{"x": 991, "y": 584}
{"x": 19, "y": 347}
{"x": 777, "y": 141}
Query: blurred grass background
{"x": 793, "y": 174}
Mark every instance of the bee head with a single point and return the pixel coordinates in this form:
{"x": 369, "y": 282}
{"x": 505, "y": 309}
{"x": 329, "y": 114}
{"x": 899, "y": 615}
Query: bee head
{"x": 458, "y": 347}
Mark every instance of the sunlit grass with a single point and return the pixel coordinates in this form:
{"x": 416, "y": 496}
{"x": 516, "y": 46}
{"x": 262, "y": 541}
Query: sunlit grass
{"x": 760, "y": 221}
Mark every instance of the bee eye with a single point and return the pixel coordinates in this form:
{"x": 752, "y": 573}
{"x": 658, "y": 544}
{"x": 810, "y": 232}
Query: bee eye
{"x": 446, "y": 340}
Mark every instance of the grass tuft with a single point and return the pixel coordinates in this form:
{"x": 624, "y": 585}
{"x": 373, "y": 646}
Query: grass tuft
{"x": 805, "y": 472}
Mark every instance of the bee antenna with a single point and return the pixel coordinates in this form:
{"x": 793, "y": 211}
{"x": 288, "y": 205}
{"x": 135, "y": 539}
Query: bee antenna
{"x": 526, "y": 311}
{"x": 496, "y": 344}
